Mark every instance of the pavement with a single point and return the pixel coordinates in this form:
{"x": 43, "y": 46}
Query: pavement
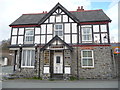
{"x": 24, "y": 83}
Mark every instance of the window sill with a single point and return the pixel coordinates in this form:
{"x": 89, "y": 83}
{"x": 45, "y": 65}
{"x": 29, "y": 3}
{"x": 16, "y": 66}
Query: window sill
{"x": 27, "y": 66}
{"x": 88, "y": 67}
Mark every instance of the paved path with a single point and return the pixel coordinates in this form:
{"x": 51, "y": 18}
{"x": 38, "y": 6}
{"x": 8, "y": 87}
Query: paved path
{"x": 59, "y": 84}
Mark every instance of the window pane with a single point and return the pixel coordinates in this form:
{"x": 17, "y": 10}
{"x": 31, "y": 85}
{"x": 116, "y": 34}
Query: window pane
{"x": 23, "y": 57}
{"x": 84, "y": 62}
{"x": 84, "y": 53}
{"x": 33, "y": 58}
{"x": 58, "y": 59}
{"x": 56, "y": 33}
{"x": 89, "y": 54}
{"x": 28, "y": 58}
{"x": 60, "y": 33}
{"x": 90, "y": 62}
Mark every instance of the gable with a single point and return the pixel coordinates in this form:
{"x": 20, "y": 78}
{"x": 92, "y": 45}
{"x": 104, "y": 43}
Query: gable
{"x": 56, "y": 43}
{"x": 58, "y": 12}
{"x": 58, "y": 16}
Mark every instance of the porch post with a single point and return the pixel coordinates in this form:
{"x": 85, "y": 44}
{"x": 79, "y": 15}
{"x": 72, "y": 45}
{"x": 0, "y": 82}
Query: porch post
{"x": 15, "y": 53}
{"x": 20, "y": 55}
{"x": 35, "y": 64}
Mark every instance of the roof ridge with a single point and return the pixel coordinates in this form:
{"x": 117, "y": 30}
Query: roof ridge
{"x": 87, "y": 10}
{"x": 69, "y": 11}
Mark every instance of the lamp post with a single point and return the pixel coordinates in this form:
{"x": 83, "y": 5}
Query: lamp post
{"x": 20, "y": 54}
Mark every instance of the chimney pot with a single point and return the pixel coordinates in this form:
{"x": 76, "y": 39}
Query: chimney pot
{"x": 80, "y": 9}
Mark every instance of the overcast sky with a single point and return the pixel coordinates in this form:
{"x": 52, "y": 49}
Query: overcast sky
{"x": 12, "y": 9}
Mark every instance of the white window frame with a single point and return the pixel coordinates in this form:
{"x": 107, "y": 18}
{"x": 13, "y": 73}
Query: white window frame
{"x": 87, "y": 58}
{"x": 27, "y": 41}
{"x": 25, "y": 66}
{"x": 87, "y": 34}
{"x": 58, "y": 30}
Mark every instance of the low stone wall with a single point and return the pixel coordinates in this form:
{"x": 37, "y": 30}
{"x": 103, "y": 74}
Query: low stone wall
{"x": 26, "y": 73}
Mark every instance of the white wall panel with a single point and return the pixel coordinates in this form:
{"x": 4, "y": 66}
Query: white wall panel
{"x": 96, "y": 38}
{"x": 103, "y": 28}
{"x": 37, "y": 39}
{"x": 20, "y": 39}
{"x": 46, "y": 69}
{"x": 67, "y": 70}
{"x": 52, "y": 18}
{"x": 67, "y": 28}
{"x": 42, "y": 39}
{"x": 21, "y": 31}
{"x": 86, "y": 25}
{"x": 74, "y": 28}
{"x": 65, "y": 18}
{"x": 14, "y": 38}
{"x": 104, "y": 40}
{"x": 95, "y": 28}
{"x": 74, "y": 38}
{"x": 37, "y": 30}
{"x": 49, "y": 37}
{"x": 70, "y": 20}
{"x": 14, "y": 31}
{"x": 67, "y": 38}
{"x": 58, "y": 18}
{"x": 49, "y": 29}
{"x": 43, "y": 29}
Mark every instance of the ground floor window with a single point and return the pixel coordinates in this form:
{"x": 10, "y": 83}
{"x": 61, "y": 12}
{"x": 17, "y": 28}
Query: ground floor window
{"x": 28, "y": 58}
{"x": 87, "y": 59}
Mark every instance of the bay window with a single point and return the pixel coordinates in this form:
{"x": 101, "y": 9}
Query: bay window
{"x": 28, "y": 58}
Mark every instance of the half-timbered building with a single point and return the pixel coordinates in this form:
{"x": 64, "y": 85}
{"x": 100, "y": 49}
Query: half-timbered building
{"x": 62, "y": 43}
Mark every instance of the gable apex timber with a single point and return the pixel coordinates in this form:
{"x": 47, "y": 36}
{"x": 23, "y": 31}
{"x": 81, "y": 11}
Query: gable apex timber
{"x": 58, "y": 6}
{"x": 56, "y": 38}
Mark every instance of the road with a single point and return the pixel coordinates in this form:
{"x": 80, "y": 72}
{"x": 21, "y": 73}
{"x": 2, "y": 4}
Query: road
{"x": 23, "y": 83}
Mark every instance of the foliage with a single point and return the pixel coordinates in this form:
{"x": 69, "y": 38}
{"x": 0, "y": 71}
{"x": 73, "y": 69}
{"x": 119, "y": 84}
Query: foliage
{"x": 72, "y": 78}
{"x": 4, "y": 44}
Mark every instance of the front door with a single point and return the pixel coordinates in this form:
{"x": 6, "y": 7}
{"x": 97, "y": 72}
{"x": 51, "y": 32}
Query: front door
{"x": 58, "y": 63}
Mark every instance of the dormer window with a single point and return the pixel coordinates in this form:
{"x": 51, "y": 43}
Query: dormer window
{"x": 29, "y": 35}
{"x": 58, "y": 30}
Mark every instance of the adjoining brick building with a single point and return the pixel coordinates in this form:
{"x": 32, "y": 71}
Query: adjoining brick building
{"x": 63, "y": 43}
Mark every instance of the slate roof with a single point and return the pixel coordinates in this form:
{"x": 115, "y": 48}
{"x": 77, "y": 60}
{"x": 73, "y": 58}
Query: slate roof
{"x": 84, "y": 16}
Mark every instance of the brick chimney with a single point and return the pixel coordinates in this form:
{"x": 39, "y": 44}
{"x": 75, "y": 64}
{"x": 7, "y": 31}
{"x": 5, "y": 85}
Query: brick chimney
{"x": 80, "y": 9}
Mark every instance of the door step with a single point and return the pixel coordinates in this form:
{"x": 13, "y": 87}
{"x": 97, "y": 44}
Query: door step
{"x": 57, "y": 77}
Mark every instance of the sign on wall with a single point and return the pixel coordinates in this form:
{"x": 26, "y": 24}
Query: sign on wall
{"x": 116, "y": 50}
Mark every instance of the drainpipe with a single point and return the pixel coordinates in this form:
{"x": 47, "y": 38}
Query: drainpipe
{"x": 35, "y": 57}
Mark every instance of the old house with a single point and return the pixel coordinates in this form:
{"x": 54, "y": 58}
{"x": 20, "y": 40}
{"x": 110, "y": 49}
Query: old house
{"x": 62, "y": 43}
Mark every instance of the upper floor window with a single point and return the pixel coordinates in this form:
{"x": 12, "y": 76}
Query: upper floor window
{"x": 58, "y": 30}
{"x": 87, "y": 58}
{"x": 29, "y": 35}
{"x": 86, "y": 34}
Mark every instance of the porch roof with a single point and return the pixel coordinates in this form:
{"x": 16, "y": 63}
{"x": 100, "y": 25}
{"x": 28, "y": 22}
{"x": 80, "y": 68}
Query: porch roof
{"x": 52, "y": 40}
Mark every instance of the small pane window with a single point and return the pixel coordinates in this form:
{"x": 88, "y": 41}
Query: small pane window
{"x": 58, "y": 30}
{"x": 86, "y": 34}
{"x": 87, "y": 58}
{"x": 29, "y": 36}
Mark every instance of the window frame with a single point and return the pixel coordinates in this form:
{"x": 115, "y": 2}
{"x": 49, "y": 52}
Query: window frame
{"x": 30, "y": 58}
{"x": 87, "y": 58}
{"x": 29, "y": 29}
{"x": 87, "y": 34}
{"x": 58, "y": 30}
